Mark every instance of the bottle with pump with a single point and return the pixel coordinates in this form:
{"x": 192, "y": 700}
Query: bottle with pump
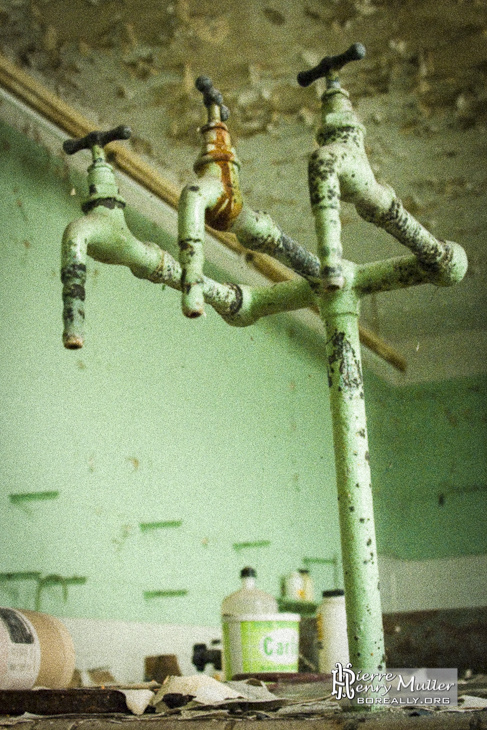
{"x": 249, "y": 599}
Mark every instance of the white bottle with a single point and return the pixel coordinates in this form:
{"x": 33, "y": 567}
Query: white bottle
{"x": 331, "y": 624}
{"x": 249, "y": 599}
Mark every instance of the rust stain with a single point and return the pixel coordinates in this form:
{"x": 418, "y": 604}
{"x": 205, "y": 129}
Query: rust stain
{"x": 218, "y": 150}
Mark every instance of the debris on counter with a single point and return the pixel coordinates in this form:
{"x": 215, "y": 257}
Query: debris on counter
{"x": 204, "y": 692}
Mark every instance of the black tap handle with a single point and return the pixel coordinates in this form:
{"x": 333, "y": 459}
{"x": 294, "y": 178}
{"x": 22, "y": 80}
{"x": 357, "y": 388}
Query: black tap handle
{"x": 212, "y": 96}
{"x": 100, "y": 139}
{"x": 331, "y": 63}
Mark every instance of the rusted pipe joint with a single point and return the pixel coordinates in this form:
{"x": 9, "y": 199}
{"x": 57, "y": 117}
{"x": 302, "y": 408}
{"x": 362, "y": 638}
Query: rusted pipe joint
{"x": 218, "y": 159}
{"x": 452, "y": 267}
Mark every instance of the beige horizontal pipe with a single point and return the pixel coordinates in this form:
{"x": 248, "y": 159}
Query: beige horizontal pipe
{"x": 43, "y": 101}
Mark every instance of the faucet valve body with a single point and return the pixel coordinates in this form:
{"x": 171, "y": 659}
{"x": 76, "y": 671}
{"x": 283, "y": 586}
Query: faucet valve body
{"x": 102, "y": 191}
{"x": 102, "y": 186}
{"x": 219, "y": 158}
{"x": 96, "y": 139}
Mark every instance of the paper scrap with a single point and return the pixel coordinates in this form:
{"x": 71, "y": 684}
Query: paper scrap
{"x": 137, "y": 700}
{"x": 202, "y": 688}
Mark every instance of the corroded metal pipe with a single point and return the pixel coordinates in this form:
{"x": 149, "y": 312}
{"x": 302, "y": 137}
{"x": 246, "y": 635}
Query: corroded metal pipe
{"x": 193, "y": 203}
{"x": 340, "y": 171}
{"x": 339, "y": 311}
{"x": 104, "y": 235}
{"x": 258, "y": 232}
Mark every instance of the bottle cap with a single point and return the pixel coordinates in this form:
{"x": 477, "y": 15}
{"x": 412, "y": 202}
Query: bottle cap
{"x": 334, "y": 592}
{"x": 248, "y": 572}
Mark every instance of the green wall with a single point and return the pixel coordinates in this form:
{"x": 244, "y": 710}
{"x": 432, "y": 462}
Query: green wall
{"x": 430, "y": 469}
{"x": 157, "y": 419}
{"x": 161, "y": 419}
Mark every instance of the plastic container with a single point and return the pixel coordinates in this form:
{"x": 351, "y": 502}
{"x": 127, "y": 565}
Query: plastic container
{"x": 331, "y": 626}
{"x": 249, "y": 598}
{"x": 242, "y": 642}
{"x": 36, "y": 649}
{"x": 254, "y": 643}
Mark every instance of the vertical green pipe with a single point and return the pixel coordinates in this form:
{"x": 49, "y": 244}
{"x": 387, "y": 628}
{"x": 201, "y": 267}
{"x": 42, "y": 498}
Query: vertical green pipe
{"x": 339, "y": 312}
{"x": 324, "y": 188}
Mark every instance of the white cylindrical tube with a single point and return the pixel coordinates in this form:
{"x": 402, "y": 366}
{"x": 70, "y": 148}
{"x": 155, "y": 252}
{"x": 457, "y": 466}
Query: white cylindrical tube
{"x": 36, "y": 649}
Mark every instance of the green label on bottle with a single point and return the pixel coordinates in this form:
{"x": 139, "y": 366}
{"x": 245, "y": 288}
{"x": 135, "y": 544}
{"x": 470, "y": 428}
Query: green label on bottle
{"x": 260, "y": 646}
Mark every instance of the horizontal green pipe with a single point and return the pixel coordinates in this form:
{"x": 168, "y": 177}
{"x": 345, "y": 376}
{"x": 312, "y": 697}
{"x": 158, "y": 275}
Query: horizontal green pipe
{"x": 32, "y": 496}
{"x": 400, "y": 272}
{"x": 261, "y": 301}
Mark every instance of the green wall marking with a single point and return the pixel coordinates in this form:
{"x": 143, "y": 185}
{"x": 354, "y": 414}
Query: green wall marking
{"x": 256, "y": 544}
{"x": 165, "y": 593}
{"x": 32, "y": 496}
{"x": 149, "y": 526}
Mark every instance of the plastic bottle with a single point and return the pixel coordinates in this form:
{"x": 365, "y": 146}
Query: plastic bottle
{"x": 36, "y": 649}
{"x": 256, "y": 637}
{"x": 249, "y": 599}
{"x": 331, "y": 624}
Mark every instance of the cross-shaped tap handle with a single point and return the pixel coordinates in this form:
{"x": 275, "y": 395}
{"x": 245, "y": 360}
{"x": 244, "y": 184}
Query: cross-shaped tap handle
{"x": 212, "y": 96}
{"x": 96, "y": 139}
{"x": 331, "y": 63}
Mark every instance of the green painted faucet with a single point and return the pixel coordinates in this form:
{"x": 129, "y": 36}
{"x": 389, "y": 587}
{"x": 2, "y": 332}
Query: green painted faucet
{"x": 102, "y": 233}
{"x": 338, "y": 171}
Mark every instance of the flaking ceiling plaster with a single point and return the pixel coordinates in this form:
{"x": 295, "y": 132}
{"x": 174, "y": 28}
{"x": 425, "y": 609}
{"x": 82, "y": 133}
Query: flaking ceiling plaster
{"x": 421, "y": 92}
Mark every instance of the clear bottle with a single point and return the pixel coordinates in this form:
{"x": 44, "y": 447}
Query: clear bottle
{"x": 249, "y": 599}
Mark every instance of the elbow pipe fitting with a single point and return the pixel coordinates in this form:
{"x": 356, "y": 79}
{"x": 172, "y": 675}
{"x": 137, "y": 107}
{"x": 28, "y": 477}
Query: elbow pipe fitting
{"x": 451, "y": 268}
{"x": 193, "y": 203}
{"x": 103, "y": 235}
{"x": 444, "y": 261}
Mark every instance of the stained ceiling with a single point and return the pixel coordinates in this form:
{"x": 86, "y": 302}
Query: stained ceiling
{"x": 421, "y": 92}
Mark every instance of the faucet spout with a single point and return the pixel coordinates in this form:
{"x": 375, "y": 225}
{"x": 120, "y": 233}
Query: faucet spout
{"x": 73, "y": 277}
{"x": 215, "y": 199}
{"x": 195, "y": 199}
{"x": 103, "y": 235}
